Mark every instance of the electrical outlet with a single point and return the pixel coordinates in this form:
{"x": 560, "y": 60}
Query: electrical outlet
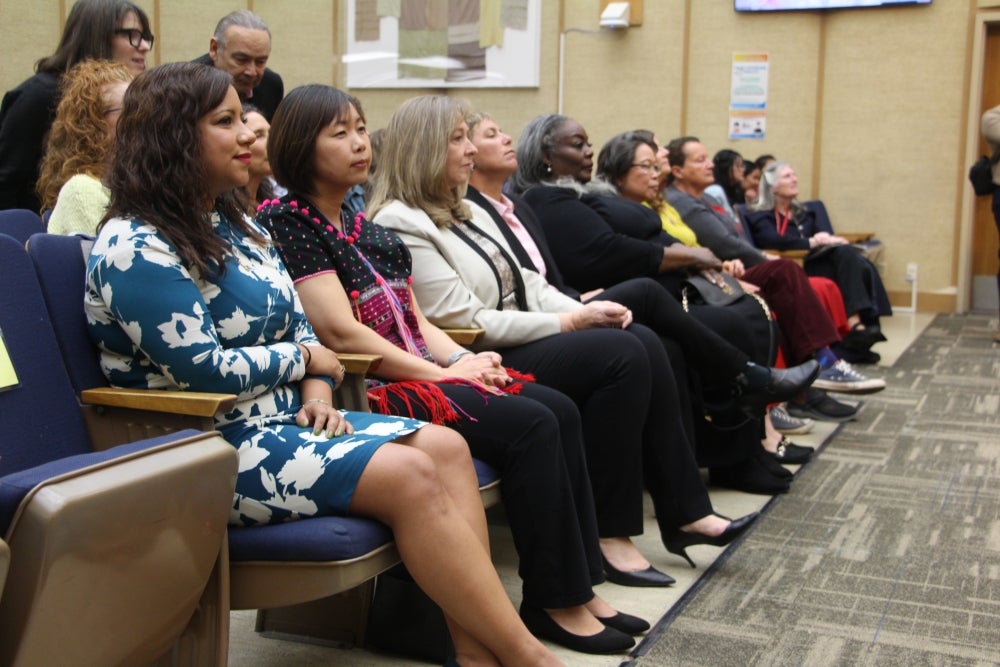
{"x": 911, "y": 272}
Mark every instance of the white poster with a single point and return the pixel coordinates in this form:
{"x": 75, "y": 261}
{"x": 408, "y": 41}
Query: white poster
{"x": 748, "y": 96}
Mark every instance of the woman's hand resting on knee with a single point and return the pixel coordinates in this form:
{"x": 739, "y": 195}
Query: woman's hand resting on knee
{"x": 594, "y": 315}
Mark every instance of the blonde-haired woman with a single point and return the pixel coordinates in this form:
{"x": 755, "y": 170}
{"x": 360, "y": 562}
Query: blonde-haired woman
{"x": 79, "y": 144}
{"x": 464, "y": 275}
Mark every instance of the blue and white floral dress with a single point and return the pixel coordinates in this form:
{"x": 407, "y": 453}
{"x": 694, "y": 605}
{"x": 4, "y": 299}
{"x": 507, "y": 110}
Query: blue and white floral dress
{"x": 160, "y": 325}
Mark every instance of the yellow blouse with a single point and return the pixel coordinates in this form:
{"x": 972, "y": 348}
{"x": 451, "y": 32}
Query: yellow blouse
{"x": 672, "y": 224}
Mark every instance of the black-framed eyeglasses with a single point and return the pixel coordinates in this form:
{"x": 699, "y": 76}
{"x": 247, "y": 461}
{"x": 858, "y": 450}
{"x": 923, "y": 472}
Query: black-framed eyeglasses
{"x": 136, "y": 36}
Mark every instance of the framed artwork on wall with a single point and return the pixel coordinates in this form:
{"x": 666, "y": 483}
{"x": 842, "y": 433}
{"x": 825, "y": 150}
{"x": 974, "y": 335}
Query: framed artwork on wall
{"x": 443, "y": 43}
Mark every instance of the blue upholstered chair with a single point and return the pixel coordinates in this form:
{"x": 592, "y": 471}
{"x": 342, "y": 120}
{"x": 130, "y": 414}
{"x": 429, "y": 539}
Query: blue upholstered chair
{"x": 317, "y": 571}
{"x": 109, "y": 552}
{"x": 20, "y": 223}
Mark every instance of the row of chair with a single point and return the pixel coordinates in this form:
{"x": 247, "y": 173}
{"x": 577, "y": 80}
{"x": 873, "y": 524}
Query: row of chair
{"x": 151, "y": 572}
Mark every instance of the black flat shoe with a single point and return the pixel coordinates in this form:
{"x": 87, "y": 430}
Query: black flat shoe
{"x": 608, "y": 640}
{"x": 630, "y": 625}
{"x": 677, "y": 541}
{"x": 860, "y": 338}
{"x": 648, "y": 578}
{"x": 755, "y": 475}
{"x": 789, "y": 452}
{"x": 782, "y": 385}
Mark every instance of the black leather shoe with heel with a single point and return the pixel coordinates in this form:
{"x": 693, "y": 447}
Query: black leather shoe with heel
{"x": 677, "y": 541}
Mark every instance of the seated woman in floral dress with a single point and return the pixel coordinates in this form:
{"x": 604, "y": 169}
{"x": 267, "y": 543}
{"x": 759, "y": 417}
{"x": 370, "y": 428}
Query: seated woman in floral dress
{"x": 185, "y": 292}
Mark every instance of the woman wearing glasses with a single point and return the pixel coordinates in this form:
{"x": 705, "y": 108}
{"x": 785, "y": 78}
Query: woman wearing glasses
{"x": 115, "y": 30}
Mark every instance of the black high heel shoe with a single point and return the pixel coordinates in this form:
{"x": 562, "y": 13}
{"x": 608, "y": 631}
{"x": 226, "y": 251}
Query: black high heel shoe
{"x": 650, "y": 577}
{"x": 607, "y": 640}
{"x": 678, "y": 541}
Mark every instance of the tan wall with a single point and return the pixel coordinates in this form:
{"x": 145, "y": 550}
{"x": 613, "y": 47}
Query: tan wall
{"x": 870, "y": 105}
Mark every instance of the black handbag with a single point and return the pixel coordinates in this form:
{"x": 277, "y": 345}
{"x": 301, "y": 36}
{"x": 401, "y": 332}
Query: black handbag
{"x": 981, "y": 176}
{"x": 698, "y": 289}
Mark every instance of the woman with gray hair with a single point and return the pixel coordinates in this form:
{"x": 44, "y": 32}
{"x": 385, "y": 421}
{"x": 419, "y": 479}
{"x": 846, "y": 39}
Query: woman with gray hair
{"x": 778, "y": 220}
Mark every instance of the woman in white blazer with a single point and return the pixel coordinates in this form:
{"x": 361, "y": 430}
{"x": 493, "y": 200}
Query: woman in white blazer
{"x": 618, "y": 373}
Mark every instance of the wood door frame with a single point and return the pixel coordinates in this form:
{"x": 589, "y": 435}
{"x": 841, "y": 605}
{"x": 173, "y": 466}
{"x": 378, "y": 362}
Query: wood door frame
{"x": 983, "y": 20}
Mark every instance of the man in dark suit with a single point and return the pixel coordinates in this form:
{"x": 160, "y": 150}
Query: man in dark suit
{"x": 241, "y": 46}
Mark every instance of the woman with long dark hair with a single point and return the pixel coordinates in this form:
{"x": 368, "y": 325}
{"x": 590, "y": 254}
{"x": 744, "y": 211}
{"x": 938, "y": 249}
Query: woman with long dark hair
{"x": 225, "y": 317}
{"x": 103, "y": 29}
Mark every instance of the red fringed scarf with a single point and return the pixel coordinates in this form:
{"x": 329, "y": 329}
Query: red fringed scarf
{"x": 437, "y": 408}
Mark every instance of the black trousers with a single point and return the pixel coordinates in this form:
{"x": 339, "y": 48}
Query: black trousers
{"x": 534, "y": 440}
{"x": 633, "y": 419}
{"x": 723, "y": 438}
{"x": 705, "y": 351}
{"x": 854, "y": 275}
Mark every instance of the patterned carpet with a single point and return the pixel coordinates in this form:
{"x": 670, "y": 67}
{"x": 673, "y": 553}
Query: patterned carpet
{"x": 887, "y": 549}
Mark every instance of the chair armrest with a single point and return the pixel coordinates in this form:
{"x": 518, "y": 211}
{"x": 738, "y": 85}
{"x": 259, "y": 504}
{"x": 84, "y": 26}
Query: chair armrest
{"x": 464, "y": 336}
{"x": 97, "y": 536}
{"x": 797, "y": 256}
{"x": 858, "y": 237}
{"x": 193, "y": 403}
{"x": 360, "y": 364}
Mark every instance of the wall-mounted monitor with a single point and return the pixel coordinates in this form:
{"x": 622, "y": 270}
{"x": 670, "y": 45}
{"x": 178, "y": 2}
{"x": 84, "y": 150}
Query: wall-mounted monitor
{"x": 791, "y": 5}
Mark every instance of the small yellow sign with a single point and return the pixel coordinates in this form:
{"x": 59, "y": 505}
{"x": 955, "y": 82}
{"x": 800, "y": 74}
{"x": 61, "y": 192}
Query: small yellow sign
{"x": 8, "y": 376}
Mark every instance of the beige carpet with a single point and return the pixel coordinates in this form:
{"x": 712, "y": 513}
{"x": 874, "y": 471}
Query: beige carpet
{"x": 887, "y": 549}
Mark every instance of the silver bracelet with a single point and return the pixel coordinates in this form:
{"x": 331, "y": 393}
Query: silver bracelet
{"x": 318, "y": 400}
{"x": 456, "y": 355}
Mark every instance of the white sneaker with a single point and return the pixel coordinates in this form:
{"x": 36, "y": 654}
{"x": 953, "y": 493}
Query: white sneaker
{"x": 843, "y": 378}
{"x": 787, "y": 424}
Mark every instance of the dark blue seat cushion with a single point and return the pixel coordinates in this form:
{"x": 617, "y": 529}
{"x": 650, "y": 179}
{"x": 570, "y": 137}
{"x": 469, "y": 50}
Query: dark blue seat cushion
{"x": 327, "y": 538}
{"x": 15, "y": 486}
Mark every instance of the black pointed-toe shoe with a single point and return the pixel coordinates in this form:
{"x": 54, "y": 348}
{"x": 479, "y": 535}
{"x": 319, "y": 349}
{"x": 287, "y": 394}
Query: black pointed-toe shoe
{"x": 780, "y": 385}
{"x": 648, "y": 578}
{"x": 627, "y": 623}
{"x": 677, "y": 541}
{"x": 608, "y": 640}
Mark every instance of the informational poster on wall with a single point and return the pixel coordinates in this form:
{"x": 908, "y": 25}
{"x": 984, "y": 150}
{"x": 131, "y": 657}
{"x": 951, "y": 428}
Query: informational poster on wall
{"x": 443, "y": 43}
{"x": 748, "y": 96}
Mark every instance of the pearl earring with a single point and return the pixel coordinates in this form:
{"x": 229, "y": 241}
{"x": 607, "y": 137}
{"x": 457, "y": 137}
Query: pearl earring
{"x": 548, "y": 169}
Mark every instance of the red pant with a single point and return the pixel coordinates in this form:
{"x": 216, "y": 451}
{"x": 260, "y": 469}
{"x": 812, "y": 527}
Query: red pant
{"x": 805, "y": 325}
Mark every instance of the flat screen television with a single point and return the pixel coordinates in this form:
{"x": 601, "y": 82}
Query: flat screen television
{"x": 791, "y": 5}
